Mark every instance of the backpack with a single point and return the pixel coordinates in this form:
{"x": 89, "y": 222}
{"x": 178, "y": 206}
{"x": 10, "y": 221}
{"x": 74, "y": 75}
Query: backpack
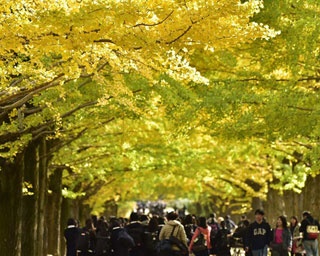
{"x": 84, "y": 240}
{"x": 200, "y": 243}
{"x": 124, "y": 239}
{"x": 312, "y": 231}
{"x": 164, "y": 247}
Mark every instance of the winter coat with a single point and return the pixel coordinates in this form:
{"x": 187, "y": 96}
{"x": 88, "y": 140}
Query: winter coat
{"x": 205, "y": 232}
{"x": 179, "y": 232}
{"x": 309, "y": 220}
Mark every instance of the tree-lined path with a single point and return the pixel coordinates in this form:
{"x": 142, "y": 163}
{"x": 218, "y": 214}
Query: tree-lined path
{"x": 104, "y": 102}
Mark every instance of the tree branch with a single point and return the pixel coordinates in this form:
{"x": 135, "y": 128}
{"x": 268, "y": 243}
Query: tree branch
{"x": 183, "y": 33}
{"x": 154, "y": 24}
{"x": 27, "y": 95}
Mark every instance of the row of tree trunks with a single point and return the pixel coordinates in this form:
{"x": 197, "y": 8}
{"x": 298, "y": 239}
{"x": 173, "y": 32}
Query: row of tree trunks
{"x": 11, "y": 179}
{"x": 24, "y": 204}
{"x": 293, "y": 204}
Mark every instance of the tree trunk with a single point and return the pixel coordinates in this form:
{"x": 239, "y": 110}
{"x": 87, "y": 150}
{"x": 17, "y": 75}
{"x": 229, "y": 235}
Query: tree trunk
{"x": 42, "y": 198}
{"x": 54, "y": 212}
{"x": 11, "y": 177}
{"x": 311, "y": 193}
{"x": 29, "y": 203}
{"x": 35, "y": 238}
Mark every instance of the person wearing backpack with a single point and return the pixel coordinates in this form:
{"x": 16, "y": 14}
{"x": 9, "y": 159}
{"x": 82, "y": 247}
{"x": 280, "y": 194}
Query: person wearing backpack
{"x": 200, "y": 243}
{"x": 173, "y": 231}
{"x": 222, "y": 242}
{"x": 136, "y": 229}
{"x": 310, "y": 229}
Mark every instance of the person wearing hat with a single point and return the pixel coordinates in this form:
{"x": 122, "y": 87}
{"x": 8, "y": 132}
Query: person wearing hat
{"x": 310, "y": 240}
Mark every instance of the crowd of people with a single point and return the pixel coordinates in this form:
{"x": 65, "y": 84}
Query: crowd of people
{"x": 172, "y": 235}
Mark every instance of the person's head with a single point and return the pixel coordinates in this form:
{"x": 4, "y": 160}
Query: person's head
{"x": 246, "y": 223}
{"x": 172, "y": 216}
{"x": 161, "y": 220}
{"x": 188, "y": 219}
{"x": 89, "y": 224}
{"x": 202, "y": 222}
{"x": 306, "y": 214}
{"x": 144, "y": 219}
{"x": 153, "y": 224}
{"x": 114, "y": 222}
{"x": 102, "y": 227}
{"x": 220, "y": 219}
{"x": 223, "y": 224}
{"x": 213, "y": 215}
{"x": 293, "y": 221}
{"x": 134, "y": 216}
{"x": 259, "y": 215}
{"x": 71, "y": 222}
{"x": 282, "y": 222}
{"x": 94, "y": 219}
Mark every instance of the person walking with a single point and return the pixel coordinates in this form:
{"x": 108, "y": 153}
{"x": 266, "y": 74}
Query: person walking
{"x": 72, "y": 234}
{"x": 222, "y": 240}
{"x": 121, "y": 242}
{"x": 189, "y": 226}
{"x": 258, "y": 235}
{"x": 282, "y": 240}
{"x": 202, "y": 234}
{"x": 173, "y": 227}
{"x": 136, "y": 229}
{"x": 297, "y": 247}
{"x": 310, "y": 231}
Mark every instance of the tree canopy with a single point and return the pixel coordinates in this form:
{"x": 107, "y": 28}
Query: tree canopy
{"x": 164, "y": 99}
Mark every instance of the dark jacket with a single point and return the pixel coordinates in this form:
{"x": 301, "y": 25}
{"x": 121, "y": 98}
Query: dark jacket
{"x": 136, "y": 229}
{"x": 71, "y": 234}
{"x": 309, "y": 220}
{"x": 258, "y": 235}
{"x": 222, "y": 243}
{"x": 117, "y": 247}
